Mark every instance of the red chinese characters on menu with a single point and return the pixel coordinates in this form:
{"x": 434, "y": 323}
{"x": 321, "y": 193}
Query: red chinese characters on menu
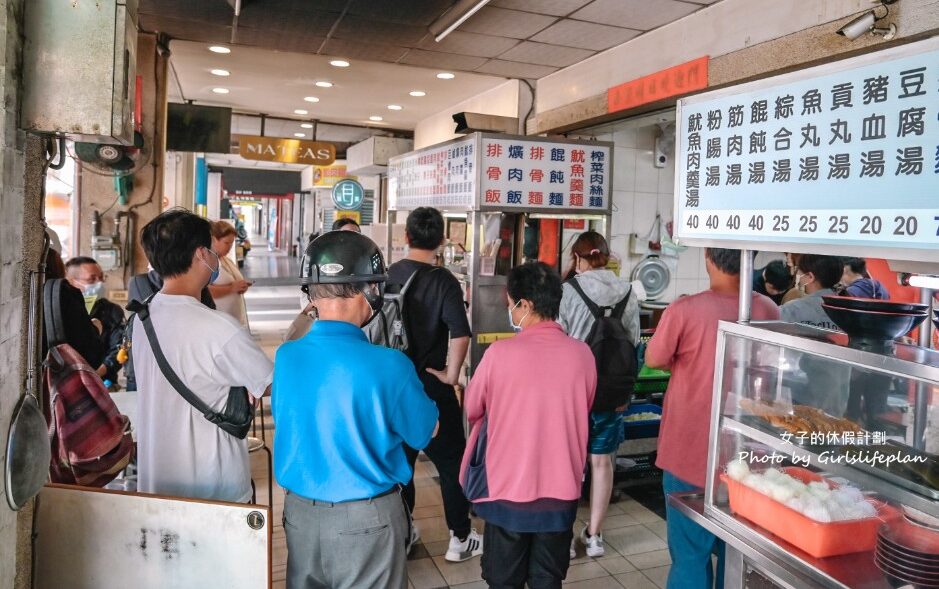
{"x": 674, "y": 81}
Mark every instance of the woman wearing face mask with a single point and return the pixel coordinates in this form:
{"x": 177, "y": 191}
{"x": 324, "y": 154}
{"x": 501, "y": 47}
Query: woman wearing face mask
{"x": 228, "y": 289}
{"x": 533, "y": 465}
{"x": 589, "y": 256}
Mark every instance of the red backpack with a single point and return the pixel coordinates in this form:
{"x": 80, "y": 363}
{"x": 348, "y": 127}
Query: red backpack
{"x": 91, "y": 440}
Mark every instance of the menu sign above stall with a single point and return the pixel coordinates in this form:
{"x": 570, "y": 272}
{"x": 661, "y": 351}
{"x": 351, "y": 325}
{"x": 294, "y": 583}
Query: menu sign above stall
{"x": 822, "y": 160}
{"x": 440, "y": 176}
{"x": 541, "y": 174}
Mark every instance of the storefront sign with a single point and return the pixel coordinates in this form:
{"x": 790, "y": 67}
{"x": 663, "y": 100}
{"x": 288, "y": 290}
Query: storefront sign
{"x": 540, "y": 174}
{"x": 327, "y": 176}
{"x": 503, "y": 172}
{"x": 674, "y": 81}
{"x": 291, "y": 151}
{"x": 439, "y": 176}
{"x": 354, "y": 215}
{"x": 841, "y": 155}
{"x": 348, "y": 195}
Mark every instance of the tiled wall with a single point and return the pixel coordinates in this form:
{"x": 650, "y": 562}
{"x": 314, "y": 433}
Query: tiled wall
{"x": 639, "y": 191}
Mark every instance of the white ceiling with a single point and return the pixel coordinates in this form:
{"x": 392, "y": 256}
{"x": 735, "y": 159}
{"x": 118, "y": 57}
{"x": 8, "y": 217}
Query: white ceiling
{"x": 275, "y": 83}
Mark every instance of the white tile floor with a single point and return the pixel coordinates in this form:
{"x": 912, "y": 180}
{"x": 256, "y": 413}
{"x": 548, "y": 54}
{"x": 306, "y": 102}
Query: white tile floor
{"x": 636, "y": 555}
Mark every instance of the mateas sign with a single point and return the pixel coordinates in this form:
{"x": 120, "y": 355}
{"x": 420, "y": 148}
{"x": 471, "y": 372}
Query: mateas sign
{"x": 291, "y": 151}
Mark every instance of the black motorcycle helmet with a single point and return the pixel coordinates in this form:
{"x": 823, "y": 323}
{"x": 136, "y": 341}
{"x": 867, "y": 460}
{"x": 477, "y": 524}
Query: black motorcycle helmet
{"x": 344, "y": 257}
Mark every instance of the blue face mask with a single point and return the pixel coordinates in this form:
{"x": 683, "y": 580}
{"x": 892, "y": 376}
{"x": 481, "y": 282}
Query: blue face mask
{"x": 94, "y": 290}
{"x": 218, "y": 267}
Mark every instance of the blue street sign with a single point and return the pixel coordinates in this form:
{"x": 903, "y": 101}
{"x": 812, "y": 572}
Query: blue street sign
{"x": 348, "y": 195}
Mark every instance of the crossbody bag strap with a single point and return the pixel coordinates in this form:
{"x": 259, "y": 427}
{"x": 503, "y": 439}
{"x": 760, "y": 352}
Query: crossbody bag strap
{"x": 143, "y": 311}
{"x": 594, "y": 309}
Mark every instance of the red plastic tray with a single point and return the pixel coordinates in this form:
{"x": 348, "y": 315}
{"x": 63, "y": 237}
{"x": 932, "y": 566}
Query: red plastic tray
{"x": 816, "y": 538}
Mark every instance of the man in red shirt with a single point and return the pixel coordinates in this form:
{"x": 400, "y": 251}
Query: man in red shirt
{"x": 685, "y": 342}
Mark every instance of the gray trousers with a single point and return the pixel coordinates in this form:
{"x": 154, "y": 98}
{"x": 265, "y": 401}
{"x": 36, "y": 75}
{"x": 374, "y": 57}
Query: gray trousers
{"x": 346, "y": 545}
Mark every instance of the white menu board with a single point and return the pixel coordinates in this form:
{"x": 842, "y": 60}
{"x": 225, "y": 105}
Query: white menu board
{"x": 538, "y": 174}
{"x": 822, "y": 160}
{"x": 442, "y": 176}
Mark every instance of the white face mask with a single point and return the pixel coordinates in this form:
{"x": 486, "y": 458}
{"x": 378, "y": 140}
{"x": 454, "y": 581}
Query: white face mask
{"x": 95, "y": 289}
{"x": 522, "y": 320}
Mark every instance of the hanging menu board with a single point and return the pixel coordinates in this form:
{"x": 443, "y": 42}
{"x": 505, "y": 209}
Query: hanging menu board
{"x": 818, "y": 161}
{"x": 441, "y": 176}
{"x": 538, "y": 174}
{"x": 503, "y": 172}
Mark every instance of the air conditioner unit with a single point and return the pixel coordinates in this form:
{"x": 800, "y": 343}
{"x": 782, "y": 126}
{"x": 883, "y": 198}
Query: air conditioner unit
{"x": 79, "y": 69}
{"x": 471, "y": 122}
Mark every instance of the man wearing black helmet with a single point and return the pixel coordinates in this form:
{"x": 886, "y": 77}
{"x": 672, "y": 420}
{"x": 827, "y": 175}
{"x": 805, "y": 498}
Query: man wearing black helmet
{"x": 344, "y": 410}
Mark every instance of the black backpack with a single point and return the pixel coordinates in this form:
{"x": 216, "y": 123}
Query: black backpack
{"x": 391, "y": 327}
{"x": 617, "y": 364}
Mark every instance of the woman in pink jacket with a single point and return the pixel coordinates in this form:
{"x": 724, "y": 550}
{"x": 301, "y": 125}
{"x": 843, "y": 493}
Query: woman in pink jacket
{"x": 528, "y": 406}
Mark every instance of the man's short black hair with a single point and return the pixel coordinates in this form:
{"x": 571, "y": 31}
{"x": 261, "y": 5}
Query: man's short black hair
{"x": 826, "y": 269}
{"x": 857, "y": 265}
{"x": 79, "y": 261}
{"x": 777, "y": 274}
{"x": 727, "y": 261}
{"x": 538, "y": 283}
{"x": 342, "y": 222}
{"x": 172, "y": 238}
{"x": 425, "y": 228}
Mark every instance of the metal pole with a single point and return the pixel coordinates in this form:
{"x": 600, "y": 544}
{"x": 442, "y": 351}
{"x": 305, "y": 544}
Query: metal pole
{"x": 746, "y": 285}
{"x": 922, "y": 389}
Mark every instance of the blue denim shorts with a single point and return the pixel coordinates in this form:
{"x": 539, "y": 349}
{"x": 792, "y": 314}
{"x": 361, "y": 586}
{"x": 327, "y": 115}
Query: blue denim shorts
{"x": 606, "y": 432}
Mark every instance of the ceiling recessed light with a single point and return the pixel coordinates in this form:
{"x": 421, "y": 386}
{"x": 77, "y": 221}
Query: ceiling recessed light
{"x": 375, "y": 118}
{"x": 300, "y": 111}
{"x": 394, "y": 107}
{"x": 219, "y": 49}
{"x": 220, "y": 90}
{"x": 445, "y": 76}
{"x": 339, "y": 63}
{"x": 325, "y": 84}
{"x": 311, "y": 98}
{"x": 299, "y": 134}
{"x": 222, "y": 73}
{"x": 306, "y": 125}
{"x": 418, "y": 93}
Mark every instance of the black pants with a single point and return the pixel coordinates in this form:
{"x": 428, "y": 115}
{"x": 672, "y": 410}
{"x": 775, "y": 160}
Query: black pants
{"x": 446, "y": 452}
{"x": 512, "y": 558}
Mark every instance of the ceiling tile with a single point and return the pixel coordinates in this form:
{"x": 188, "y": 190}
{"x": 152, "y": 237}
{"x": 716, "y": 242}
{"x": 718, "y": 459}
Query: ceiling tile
{"x": 413, "y": 12}
{"x": 186, "y": 29}
{"x": 513, "y": 69}
{"x": 578, "y": 33}
{"x": 552, "y": 7}
{"x": 444, "y": 61}
{"x": 635, "y": 14}
{"x": 358, "y": 50}
{"x": 299, "y": 43}
{"x": 469, "y": 44}
{"x": 212, "y": 12}
{"x": 506, "y": 23}
{"x": 289, "y": 19}
{"x": 544, "y": 54}
{"x": 360, "y": 29}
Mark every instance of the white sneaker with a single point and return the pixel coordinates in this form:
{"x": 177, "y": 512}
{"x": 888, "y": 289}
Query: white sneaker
{"x": 465, "y": 550}
{"x": 593, "y": 543}
{"x": 414, "y": 539}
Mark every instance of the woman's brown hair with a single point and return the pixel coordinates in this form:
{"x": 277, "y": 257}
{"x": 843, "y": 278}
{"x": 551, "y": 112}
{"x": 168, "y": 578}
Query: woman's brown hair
{"x": 221, "y": 229}
{"x": 591, "y": 246}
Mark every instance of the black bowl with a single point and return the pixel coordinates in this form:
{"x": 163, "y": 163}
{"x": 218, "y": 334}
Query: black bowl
{"x": 862, "y": 304}
{"x": 873, "y": 326}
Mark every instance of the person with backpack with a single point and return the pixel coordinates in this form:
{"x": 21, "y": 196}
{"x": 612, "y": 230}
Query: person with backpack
{"x": 344, "y": 410}
{"x": 685, "y": 343}
{"x": 528, "y": 404}
{"x": 85, "y": 274}
{"x": 438, "y": 331}
{"x": 192, "y": 365}
{"x": 599, "y": 308}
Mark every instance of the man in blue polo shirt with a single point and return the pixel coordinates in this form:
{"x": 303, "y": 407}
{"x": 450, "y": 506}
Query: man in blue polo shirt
{"x": 344, "y": 410}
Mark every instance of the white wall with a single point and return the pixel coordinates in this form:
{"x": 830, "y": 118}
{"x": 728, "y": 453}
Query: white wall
{"x": 719, "y": 29}
{"x": 500, "y": 101}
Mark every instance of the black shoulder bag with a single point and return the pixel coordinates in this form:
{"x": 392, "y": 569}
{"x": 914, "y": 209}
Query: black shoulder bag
{"x": 238, "y": 414}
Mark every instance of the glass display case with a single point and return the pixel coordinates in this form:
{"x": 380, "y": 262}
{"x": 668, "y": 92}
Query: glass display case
{"x": 818, "y": 452}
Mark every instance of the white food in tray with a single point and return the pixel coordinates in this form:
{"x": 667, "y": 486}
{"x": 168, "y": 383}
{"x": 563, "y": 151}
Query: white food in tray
{"x": 815, "y": 500}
